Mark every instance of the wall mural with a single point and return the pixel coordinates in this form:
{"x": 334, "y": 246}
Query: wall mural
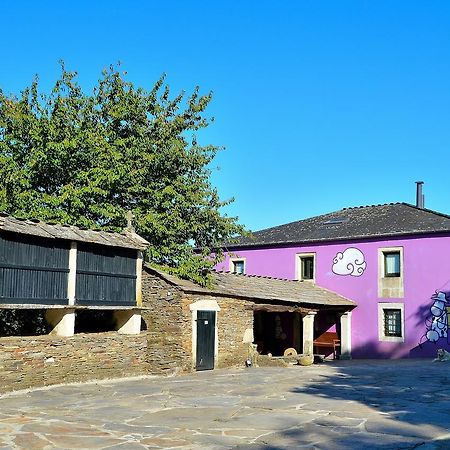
{"x": 349, "y": 262}
{"x": 437, "y": 322}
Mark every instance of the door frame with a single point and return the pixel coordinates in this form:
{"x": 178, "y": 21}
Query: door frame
{"x": 203, "y": 305}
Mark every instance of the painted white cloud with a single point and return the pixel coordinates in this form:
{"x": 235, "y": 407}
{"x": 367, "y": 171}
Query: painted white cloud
{"x": 349, "y": 262}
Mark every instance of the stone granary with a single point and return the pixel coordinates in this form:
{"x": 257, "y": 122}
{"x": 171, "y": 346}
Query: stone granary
{"x": 64, "y": 268}
{"x": 191, "y": 327}
{"x": 65, "y": 279}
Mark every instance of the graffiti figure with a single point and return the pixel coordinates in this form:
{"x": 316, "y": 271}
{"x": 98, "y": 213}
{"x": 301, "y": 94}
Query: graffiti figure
{"x": 437, "y": 324}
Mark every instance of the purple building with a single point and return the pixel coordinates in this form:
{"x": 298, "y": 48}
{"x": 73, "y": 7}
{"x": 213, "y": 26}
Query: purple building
{"x": 393, "y": 260}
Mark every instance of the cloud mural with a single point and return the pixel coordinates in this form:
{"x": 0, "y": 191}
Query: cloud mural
{"x": 349, "y": 262}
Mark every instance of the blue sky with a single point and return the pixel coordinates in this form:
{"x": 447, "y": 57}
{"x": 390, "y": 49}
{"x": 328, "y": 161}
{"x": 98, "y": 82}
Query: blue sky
{"x": 319, "y": 104}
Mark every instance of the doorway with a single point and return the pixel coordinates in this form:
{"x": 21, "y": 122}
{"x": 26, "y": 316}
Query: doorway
{"x": 206, "y": 332}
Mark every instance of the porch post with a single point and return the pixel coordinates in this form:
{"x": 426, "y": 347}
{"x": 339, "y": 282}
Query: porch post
{"x": 346, "y": 335}
{"x": 308, "y": 332}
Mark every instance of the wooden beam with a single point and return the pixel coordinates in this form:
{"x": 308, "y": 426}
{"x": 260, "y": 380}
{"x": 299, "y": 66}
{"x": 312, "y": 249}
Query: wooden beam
{"x": 278, "y": 308}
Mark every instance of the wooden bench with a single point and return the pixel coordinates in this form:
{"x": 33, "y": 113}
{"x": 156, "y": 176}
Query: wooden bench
{"x": 329, "y": 339}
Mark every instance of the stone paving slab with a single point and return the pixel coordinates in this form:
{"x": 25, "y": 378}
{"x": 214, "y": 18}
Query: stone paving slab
{"x": 332, "y": 406}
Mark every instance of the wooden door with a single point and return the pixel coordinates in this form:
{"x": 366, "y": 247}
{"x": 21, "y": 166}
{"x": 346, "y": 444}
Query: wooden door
{"x": 206, "y": 332}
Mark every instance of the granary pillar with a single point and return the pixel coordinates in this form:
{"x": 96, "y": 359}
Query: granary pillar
{"x": 346, "y": 335}
{"x": 128, "y": 321}
{"x": 71, "y": 279}
{"x": 139, "y": 262}
{"x": 62, "y": 321}
{"x": 308, "y": 332}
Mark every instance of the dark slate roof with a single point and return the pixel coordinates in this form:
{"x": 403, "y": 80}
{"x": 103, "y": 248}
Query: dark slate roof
{"x": 375, "y": 221}
{"x": 260, "y": 288}
{"x": 126, "y": 239}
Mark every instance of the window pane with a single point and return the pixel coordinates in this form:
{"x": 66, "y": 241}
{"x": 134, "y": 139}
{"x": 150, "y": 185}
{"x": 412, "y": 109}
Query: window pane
{"x": 307, "y": 268}
{"x": 238, "y": 266}
{"x": 392, "y": 322}
{"x": 392, "y": 264}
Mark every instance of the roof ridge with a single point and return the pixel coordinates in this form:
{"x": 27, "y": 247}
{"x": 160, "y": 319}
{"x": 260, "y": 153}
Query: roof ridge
{"x": 371, "y": 206}
{"x": 432, "y": 211}
{"x": 54, "y": 229}
{"x": 386, "y": 220}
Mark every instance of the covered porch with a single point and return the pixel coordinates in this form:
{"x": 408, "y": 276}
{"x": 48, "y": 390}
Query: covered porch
{"x": 280, "y": 330}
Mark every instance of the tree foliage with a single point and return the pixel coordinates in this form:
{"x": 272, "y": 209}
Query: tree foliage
{"x": 87, "y": 159}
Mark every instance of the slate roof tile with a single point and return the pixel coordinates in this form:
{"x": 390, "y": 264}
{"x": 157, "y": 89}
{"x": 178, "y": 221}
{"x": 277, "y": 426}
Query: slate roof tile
{"x": 375, "y": 221}
{"x": 260, "y": 288}
{"x": 71, "y": 233}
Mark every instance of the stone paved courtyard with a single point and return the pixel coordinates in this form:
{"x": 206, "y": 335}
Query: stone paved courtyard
{"x": 337, "y": 405}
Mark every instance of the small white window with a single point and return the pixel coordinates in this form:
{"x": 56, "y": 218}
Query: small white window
{"x": 390, "y": 272}
{"x": 391, "y": 322}
{"x": 306, "y": 266}
{"x": 237, "y": 265}
{"x": 392, "y": 264}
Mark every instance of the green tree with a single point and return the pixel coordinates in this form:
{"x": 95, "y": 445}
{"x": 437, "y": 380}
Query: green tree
{"x": 87, "y": 159}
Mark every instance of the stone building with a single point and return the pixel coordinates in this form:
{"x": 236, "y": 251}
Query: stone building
{"x": 191, "y": 327}
{"x": 67, "y": 279}
{"x": 391, "y": 259}
{"x": 156, "y": 323}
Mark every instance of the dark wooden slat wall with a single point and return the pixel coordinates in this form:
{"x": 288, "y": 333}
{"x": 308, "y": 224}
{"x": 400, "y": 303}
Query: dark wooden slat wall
{"x": 33, "y": 270}
{"x": 105, "y": 276}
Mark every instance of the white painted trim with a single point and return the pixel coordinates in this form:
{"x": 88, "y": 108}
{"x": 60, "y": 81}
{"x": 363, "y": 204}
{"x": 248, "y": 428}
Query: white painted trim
{"x": 308, "y": 333}
{"x": 390, "y": 287}
{"x": 298, "y": 266}
{"x": 346, "y": 335}
{"x": 381, "y": 252}
{"x": 204, "y": 305}
{"x": 139, "y": 263}
{"x": 72, "y": 276}
{"x": 233, "y": 260}
{"x": 381, "y": 308}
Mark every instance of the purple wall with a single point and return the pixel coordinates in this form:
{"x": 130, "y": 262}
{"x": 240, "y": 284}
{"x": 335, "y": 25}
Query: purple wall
{"x": 426, "y": 269}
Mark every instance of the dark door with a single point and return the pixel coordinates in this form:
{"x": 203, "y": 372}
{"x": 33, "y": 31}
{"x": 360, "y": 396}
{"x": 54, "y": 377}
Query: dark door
{"x": 206, "y": 324}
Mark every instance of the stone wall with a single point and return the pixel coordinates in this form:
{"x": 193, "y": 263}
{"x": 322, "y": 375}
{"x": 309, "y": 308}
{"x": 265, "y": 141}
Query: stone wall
{"x": 169, "y": 322}
{"x": 165, "y": 346}
{"x": 44, "y": 360}
{"x": 235, "y": 317}
{"x": 168, "y": 326}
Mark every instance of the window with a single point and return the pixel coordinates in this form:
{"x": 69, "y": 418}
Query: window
{"x": 391, "y": 264}
{"x": 390, "y": 272}
{"x": 237, "y": 265}
{"x": 306, "y": 266}
{"x": 391, "y": 326}
{"x": 392, "y": 322}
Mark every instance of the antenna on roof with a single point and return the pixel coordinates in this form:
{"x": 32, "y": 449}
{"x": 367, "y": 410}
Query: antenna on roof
{"x": 420, "y": 198}
{"x": 129, "y": 217}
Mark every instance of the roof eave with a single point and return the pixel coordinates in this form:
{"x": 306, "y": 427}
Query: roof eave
{"x": 340, "y": 239}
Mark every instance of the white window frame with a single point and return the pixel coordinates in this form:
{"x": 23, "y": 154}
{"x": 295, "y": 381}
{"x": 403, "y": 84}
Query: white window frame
{"x": 203, "y": 305}
{"x": 381, "y": 308}
{"x": 298, "y": 266}
{"x": 234, "y": 260}
{"x": 393, "y": 287}
{"x": 382, "y": 260}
